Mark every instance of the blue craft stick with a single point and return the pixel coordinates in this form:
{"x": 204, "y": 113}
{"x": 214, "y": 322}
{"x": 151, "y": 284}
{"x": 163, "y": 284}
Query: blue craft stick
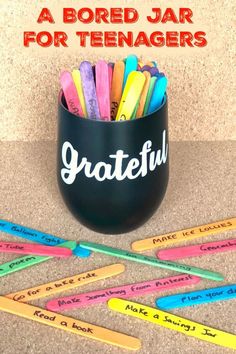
{"x": 131, "y": 64}
{"x": 197, "y": 297}
{"x": 37, "y": 236}
{"x": 158, "y": 94}
{"x": 154, "y": 63}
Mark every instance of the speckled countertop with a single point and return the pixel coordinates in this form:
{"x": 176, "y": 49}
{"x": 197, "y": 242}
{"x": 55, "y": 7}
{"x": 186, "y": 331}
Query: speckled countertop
{"x": 201, "y": 190}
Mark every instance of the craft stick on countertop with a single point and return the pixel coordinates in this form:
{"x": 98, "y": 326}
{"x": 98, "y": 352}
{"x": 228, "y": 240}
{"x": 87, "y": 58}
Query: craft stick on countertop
{"x": 198, "y": 297}
{"x": 136, "y": 257}
{"x": 177, "y": 323}
{"x": 38, "y": 250}
{"x": 183, "y": 235}
{"x": 38, "y": 236}
{"x": 69, "y": 324}
{"x": 68, "y": 283}
{"x": 123, "y": 291}
{"x": 197, "y": 250}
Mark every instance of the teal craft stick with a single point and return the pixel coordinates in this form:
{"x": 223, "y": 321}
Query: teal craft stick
{"x": 151, "y": 261}
{"x": 27, "y": 261}
{"x": 197, "y": 297}
{"x": 37, "y": 236}
{"x": 131, "y": 64}
{"x": 149, "y": 94}
{"x": 158, "y": 94}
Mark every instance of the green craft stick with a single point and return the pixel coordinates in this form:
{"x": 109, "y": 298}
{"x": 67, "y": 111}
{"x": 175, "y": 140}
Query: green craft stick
{"x": 27, "y": 261}
{"x": 149, "y": 94}
{"x": 136, "y": 257}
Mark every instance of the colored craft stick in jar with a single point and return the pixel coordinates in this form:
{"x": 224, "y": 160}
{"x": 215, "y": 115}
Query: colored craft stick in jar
{"x": 131, "y": 95}
{"x": 103, "y": 89}
{"x": 38, "y": 250}
{"x": 140, "y": 258}
{"x": 70, "y": 92}
{"x": 124, "y": 291}
{"x": 177, "y": 323}
{"x": 183, "y": 235}
{"x": 154, "y": 72}
{"x": 69, "y": 324}
{"x": 158, "y": 94}
{"x": 65, "y": 284}
{"x": 78, "y": 84}
{"x": 38, "y": 236}
{"x": 131, "y": 65}
{"x": 154, "y": 64}
{"x": 146, "y": 68}
{"x": 89, "y": 89}
{"x": 28, "y": 261}
{"x": 110, "y": 72}
{"x": 197, "y": 250}
{"x": 144, "y": 93}
{"x": 149, "y": 95}
{"x": 199, "y": 297}
{"x": 116, "y": 87}
{"x": 140, "y": 65}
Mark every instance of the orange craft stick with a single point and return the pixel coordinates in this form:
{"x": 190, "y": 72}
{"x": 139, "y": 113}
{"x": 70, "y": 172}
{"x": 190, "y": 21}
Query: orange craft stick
{"x": 116, "y": 87}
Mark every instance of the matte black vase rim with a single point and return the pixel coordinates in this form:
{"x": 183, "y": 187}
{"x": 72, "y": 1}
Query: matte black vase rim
{"x": 130, "y": 121}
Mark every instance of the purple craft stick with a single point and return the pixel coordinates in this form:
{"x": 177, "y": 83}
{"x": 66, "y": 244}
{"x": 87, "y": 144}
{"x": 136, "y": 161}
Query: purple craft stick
{"x": 89, "y": 90}
{"x": 154, "y": 71}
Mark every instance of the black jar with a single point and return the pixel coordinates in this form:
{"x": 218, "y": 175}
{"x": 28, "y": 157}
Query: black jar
{"x": 112, "y": 175}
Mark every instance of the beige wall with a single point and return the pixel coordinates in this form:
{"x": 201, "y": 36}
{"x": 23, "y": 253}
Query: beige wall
{"x": 201, "y": 81}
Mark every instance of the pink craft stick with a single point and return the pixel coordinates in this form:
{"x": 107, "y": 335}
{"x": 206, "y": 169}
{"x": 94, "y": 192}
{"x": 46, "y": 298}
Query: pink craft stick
{"x": 39, "y": 250}
{"x": 103, "y": 89}
{"x": 110, "y": 73}
{"x": 197, "y": 250}
{"x": 70, "y": 92}
{"x": 124, "y": 291}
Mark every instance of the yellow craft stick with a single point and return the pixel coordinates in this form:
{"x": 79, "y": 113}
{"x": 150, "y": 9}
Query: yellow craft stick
{"x": 131, "y": 95}
{"x": 180, "y": 324}
{"x": 78, "y": 84}
{"x": 140, "y": 64}
{"x": 116, "y": 87}
{"x": 57, "y": 286}
{"x": 143, "y": 96}
{"x": 183, "y": 235}
{"x": 69, "y": 324}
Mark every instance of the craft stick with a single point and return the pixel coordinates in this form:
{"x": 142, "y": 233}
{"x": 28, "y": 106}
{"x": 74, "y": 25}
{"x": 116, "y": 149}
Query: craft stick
{"x": 69, "y": 324}
{"x": 151, "y": 261}
{"x": 177, "y": 323}
{"x": 89, "y": 89}
{"x": 135, "y": 110}
{"x": 38, "y": 236}
{"x": 183, "y": 235}
{"x": 143, "y": 96}
{"x": 70, "y": 92}
{"x": 38, "y": 250}
{"x": 103, "y": 89}
{"x": 116, "y": 87}
{"x": 198, "y": 250}
{"x": 28, "y": 261}
{"x": 78, "y": 84}
{"x": 131, "y": 65}
{"x": 146, "y": 68}
{"x": 149, "y": 94}
{"x": 140, "y": 64}
{"x": 158, "y": 94}
{"x": 124, "y": 291}
{"x": 69, "y": 283}
{"x": 154, "y": 71}
{"x": 131, "y": 95}
{"x": 197, "y": 297}
{"x": 110, "y": 72}
{"x": 154, "y": 63}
